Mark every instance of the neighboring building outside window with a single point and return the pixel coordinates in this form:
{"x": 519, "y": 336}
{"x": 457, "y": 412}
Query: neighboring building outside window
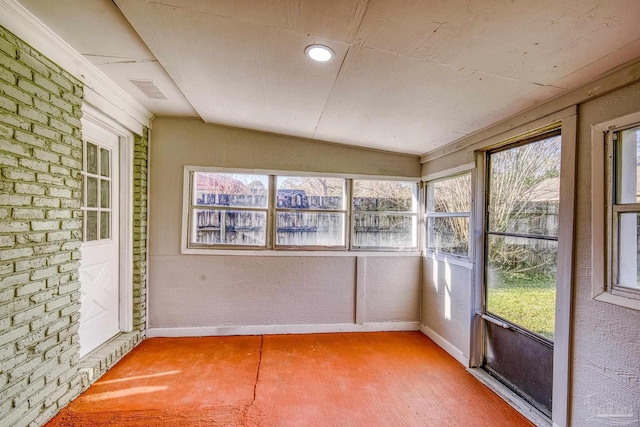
{"x": 229, "y": 209}
{"x": 448, "y": 211}
{"x": 310, "y": 212}
{"x": 261, "y": 211}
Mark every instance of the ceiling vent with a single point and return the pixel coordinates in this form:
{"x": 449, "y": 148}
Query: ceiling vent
{"x": 149, "y": 88}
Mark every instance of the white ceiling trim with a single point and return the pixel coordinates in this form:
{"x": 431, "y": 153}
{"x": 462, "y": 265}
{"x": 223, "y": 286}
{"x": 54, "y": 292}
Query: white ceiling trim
{"x": 99, "y": 90}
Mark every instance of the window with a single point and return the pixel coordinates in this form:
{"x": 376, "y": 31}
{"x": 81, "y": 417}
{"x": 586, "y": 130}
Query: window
{"x": 384, "y": 214}
{"x": 448, "y": 213}
{"x": 624, "y": 212}
{"x": 97, "y": 192}
{"x": 310, "y": 212}
{"x": 228, "y": 209}
{"x": 244, "y": 210}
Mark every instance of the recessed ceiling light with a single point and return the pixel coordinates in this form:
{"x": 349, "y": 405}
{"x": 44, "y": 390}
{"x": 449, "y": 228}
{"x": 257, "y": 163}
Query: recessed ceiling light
{"x": 319, "y": 52}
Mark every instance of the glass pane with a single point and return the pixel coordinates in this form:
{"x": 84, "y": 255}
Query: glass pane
{"x": 524, "y": 189}
{"x": 627, "y": 164}
{"x": 229, "y": 227}
{"x": 92, "y": 192}
{"x": 385, "y": 196}
{"x": 231, "y": 189}
{"x": 105, "y": 225}
{"x": 448, "y": 235}
{"x": 105, "y": 161}
{"x": 310, "y": 229}
{"x": 105, "y": 193}
{"x": 450, "y": 195}
{"x": 310, "y": 193}
{"x": 521, "y": 282}
{"x": 385, "y": 230}
{"x": 91, "y": 222}
{"x": 92, "y": 158}
{"x": 628, "y": 250}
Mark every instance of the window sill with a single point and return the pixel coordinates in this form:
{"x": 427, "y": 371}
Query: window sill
{"x": 311, "y": 253}
{"x": 620, "y": 300}
{"x": 450, "y": 259}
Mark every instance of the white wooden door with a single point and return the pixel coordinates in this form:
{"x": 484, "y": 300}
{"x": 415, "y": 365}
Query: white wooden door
{"x": 99, "y": 268}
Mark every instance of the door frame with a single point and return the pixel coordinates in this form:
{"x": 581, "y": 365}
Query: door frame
{"x": 567, "y": 120}
{"x": 125, "y": 258}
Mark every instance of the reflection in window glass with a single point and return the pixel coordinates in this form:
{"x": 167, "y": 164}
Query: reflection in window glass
{"x": 310, "y": 229}
{"x": 310, "y": 211}
{"x": 448, "y": 213}
{"x": 229, "y": 227}
{"x": 384, "y": 214}
{"x": 92, "y": 192}
{"x": 230, "y": 190}
{"x": 310, "y": 193}
{"x": 105, "y": 225}
{"x": 104, "y": 193}
{"x": 105, "y": 156}
{"x": 91, "y": 223}
{"x": 448, "y": 235}
{"x": 92, "y": 158}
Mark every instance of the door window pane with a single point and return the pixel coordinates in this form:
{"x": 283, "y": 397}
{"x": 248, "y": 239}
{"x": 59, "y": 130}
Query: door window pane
{"x": 92, "y": 158}
{"x": 105, "y": 193}
{"x": 105, "y": 162}
{"x": 310, "y": 229}
{"x": 92, "y": 192}
{"x": 230, "y": 190}
{"x": 91, "y": 231}
{"x": 521, "y": 282}
{"x": 105, "y": 225}
{"x": 524, "y": 189}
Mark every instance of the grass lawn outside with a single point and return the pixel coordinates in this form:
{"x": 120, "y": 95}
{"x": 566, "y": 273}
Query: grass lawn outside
{"x": 527, "y": 301}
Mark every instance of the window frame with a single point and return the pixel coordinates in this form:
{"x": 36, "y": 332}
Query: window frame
{"x": 428, "y": 213}
{"x": 604, "y": 212}
{"x": 415, "y": 214}
{"x": 271, "y": 249}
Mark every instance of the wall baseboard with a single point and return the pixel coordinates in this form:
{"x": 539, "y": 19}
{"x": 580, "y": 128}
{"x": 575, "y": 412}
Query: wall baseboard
{"x": 454, "y": 351}
{"x": 281, "y": 329}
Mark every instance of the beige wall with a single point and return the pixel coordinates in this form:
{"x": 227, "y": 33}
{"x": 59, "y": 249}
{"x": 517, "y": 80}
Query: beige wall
{"x": 605, "y": 346}
{"x": 606, "y": 337}
{"x": 218, "y": 291}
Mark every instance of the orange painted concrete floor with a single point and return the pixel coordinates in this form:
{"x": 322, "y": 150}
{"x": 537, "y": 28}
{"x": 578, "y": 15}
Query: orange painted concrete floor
{"x": 351, "y": 379}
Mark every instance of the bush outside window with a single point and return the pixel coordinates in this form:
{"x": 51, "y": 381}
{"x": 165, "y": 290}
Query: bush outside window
{"x": 448, "y": 213}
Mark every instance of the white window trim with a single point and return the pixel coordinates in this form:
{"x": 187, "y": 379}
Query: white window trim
{"x": 286, "y": 251}
{"x": 601, "y": 288}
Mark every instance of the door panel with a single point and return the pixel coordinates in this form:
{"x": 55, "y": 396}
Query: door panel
{"x": 99, "y": 268}
{"x": 523, "y": 363}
